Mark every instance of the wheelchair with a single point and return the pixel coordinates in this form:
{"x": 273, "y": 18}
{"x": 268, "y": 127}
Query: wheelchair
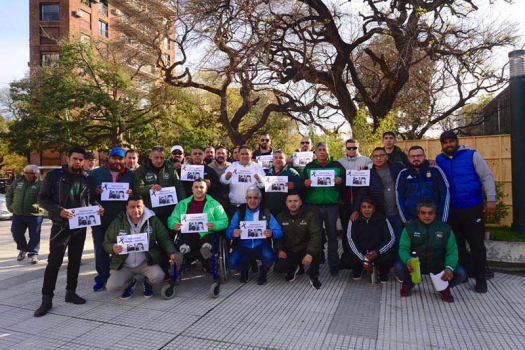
{"x": 219, "y": 258}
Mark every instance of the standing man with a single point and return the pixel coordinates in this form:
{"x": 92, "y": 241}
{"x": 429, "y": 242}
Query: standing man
{"x": 132, "y": 159}
{"x": 22, "y": 200}
{"x": 235, "y": 154}
{"x": 176, "y": 157}
{"x": 89, "y": 162}
{"x": 113, "y": 171}
{"x": 264, "y": 146}
{"x": 467, "y": 173}
{"x": 64, "y": 189}
{"x": 395, "y": 154}
{"x": 276, "y": 201}
{"x": 220, "y": 164}
{"x": 352, "y": 160}
{"x": 210, "y": 176}
{"x": 209, "y": 154}
{"x": 301, "y": 242}
{"x": 326, "y": 199}
{"x": 418, "y": 181}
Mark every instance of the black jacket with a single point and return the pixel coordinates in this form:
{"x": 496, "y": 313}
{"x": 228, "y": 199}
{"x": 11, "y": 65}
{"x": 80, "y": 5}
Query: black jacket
{"x": 374, "y": 234}
{"x": 54, "y": 193}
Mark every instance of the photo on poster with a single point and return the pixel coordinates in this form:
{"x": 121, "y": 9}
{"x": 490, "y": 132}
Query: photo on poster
{"x": 276, "y": 184}
{"x": 190, "y": 172}
{"x": 166, "y": 196}
{"x": 322, "y": 178}
{"x": 266, "y": 162}
{"x": 114, "y": 191}
{"x": 133, "y": 243}
{"x": 243, "y": 176}
{"x": 300, "y": 159}
{"x": 252, "y": 229}
{"x": 84, "y": 217}
{"x": 358, "y": 178}
{"x": 194, "y": 223}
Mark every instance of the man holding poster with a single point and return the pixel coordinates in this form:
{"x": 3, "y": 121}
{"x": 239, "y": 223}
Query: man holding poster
{"x": 245, "y": 250}
{"x": 325, "y": 199}
{"x": 275, "y": 201}
{"x": 99, "y": 181}
{"x": 217, "y": 220}
{"x": 141, "y": 222}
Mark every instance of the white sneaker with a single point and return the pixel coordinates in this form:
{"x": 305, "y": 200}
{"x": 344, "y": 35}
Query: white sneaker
{"x": 33, "y": 259}
{"x": 21, "y": 255}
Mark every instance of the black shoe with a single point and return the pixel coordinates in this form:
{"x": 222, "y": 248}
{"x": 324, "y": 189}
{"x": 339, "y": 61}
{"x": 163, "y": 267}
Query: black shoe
{"x": 358, "y": 273}
{"x": 244, "y": 276}
{"x": 383, "y": 278}
{"x": 263, "y": 273}
{"x": 301, "y": 270}
{"x": 334, "y": 270}
{"x": 316, "y": 284}
{"x": 47, "y": 304}
{"x": 481, "y": 285}
{"x": 322, "y": 258}
{"x": 291, "y": 276}
{"x": 253, "y": 266}
{"x": 72, "y": 297}
{"x": 206, "y": 266}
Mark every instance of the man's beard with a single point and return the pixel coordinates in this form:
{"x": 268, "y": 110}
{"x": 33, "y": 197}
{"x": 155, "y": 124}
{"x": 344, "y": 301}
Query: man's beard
{"x": 219, "y": 160}
{"x": 115, "y": 168}
{"x": 76, "y": 170}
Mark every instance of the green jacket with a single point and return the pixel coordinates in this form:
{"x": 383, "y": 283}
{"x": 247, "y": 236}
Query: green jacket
{"x": 158, "y": 236}
{"x": 275, "y": 201}
{"x": 324, "y": 195}
{"x": 212, "y": 208}
{"x": 435, "y": 245}
{"x": 22, "y": 198}
{"x": 398, "y": 155}
{"x": 300, "y": 233}
{"x": 147, "y": 175}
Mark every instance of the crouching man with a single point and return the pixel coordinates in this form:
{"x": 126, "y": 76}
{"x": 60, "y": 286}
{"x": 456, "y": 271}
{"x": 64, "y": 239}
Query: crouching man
{"x": 301, "y": 242}
{"x": 371, "y": 239}
{"x": 137, "y": 219}
{"x": 435, "y": 244}
{"x": 247, "y": 249}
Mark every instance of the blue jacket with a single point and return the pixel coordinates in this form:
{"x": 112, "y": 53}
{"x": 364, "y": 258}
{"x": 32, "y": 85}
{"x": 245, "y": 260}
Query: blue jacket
{"x": 375, "y": 190}
{"x": 427, "y": 183}
{"x": 464, "y": 178}
{"x": 254, "y": 243}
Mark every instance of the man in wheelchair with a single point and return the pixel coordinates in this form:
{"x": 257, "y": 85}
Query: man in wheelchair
{"x": 200, "y": 243}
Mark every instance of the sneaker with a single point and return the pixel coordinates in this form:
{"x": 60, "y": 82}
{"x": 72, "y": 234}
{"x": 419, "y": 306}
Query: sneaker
{"x": 334, "y": 270}
{"x": 290, "y": 277}
{"x": 481, "y": 285}
{"x": 21, "y": 255}
{"x": 33, "y": 259}
{"x": 398, "y": 280}
{"x": 446, "y": 295}
{"x": 99, "y": 286}
{"x": 244, "y": 277}
{"x": 148, "y": 288}
{"x": 128, "y": 292}
{"x": 301, "y": 270}
{"x": 316, "y": 284}
{"x": 383, "y": 278}
{"x": 406, "y": 288}
{"x": 358, "y": 273}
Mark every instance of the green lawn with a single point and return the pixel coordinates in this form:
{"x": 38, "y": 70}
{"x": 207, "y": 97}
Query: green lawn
{"x": 504, "y": 233}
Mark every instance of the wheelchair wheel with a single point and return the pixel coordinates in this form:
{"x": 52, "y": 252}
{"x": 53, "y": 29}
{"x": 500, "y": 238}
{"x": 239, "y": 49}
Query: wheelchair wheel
{"x": 167, "y": 292}
{"x": 222, "y": 259}
{"x": 215, "y": 289}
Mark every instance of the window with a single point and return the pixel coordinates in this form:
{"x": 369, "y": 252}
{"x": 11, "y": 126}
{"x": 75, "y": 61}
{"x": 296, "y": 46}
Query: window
{"x": 167, "y": 60}
{"x": 167, "y": 43}
{"x": 86, "y": 2}
{"x": 48, "y": 35}
{"x": 49, "y": 12}
{"x": 103, "y": 29}
{"x": 103, "y": 8}
{"x": 49, "y": 60}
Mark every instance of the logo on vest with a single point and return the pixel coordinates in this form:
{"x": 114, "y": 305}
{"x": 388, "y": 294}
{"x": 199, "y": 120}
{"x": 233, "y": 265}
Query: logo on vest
{"x": 285, "y": 224}
{"x": 165, "y": 176}
{"x": 417, "y": 234}
{"x": 409, "y": 177}
{"x": 303, "y": 223}
{"x": 149, "y": 230}
{"x": 439, "y": 235}
{"x": 429, "y": 175}
{"x": 149, "y": 177}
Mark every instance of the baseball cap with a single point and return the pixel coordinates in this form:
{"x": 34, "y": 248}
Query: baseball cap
{"x": 177, "y": 147}
{"x": 448, "y": 135}
{"x": 117, "y": 151}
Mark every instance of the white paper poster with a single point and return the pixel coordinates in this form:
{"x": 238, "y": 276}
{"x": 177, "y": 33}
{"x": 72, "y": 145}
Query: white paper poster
{"x": 276, "y": 184}
{"x": 322, "y": 178}
{"x": 114, "y": 191}
{"x": 358, "y": 178}
{"x": 133, "y": 243}
{"x": 302, "y": 158}
{"x": 84, "y": 217}
{"x": 166, "y": 196}
{"x": 194, "y": 223}
{"x": 253, "y": 229}
{"x": 266, "y": 162}
{"x": 243, "y": 176}
{"x": 191, "y": 172}
{"x": 439, "y": 284}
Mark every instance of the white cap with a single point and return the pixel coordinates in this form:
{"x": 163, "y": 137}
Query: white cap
{"x": 177, "y": 147}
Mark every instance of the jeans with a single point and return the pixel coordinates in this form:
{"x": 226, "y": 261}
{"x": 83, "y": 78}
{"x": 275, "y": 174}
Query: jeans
{"x": 102, "y": 259}
{"x": 327, "y": 215}
{"x": 397, "y": 226}
{"x": 18, "y": 229}
{"x": 403, "y": 274}
{"x": 63, "y": 238}
{"x": 240, "y": 257}
{"x": 294, "y": 259}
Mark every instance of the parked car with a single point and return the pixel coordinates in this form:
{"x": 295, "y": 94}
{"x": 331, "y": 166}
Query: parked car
{"x": 4, "y": 213}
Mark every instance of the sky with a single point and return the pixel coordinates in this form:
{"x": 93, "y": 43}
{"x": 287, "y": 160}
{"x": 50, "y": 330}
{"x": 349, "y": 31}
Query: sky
{"x": 14, "y": 34}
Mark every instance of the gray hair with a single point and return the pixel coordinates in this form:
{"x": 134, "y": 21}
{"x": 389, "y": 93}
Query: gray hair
{"x": 158, "y": 149}
{"x": 33, "y": 168}
{"x": 319, "y": 144}
{"x": 429, "y": 203}
{"x": 254, "y": 190}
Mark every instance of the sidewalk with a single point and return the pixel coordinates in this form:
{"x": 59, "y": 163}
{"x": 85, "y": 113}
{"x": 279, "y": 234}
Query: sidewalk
{"x": 344, "y": 314}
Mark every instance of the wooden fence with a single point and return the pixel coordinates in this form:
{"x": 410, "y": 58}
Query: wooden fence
{"x": 495, "y": 149}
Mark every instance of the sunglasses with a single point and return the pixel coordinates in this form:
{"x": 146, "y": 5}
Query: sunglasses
{"x": 351, "y": 148}
{"x": 176, "y": 153}
{"x": 305, "y": 142}
{"x": 265, "y": 140}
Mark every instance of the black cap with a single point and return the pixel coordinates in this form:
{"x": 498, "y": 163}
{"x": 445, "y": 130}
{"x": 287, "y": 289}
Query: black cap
{"x": 448, "y": 135}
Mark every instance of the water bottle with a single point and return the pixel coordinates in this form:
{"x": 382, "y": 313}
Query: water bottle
{"x": 414, "y": 261}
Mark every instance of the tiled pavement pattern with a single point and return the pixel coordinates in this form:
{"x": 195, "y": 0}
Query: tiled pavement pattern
{"x": 344, "y": 314}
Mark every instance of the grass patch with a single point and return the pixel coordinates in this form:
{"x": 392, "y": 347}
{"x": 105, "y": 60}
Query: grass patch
{"x": 505, "y": 233}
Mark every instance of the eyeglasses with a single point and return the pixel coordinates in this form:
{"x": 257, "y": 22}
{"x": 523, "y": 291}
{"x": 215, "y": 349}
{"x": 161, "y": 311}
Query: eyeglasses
{"x": 416, "y": 156}
{"x": 265, "y": 140}
{"x": 379, "y": 156}
{"x": 26, "y": 173}
{"x": 176, "y": 153}
{"x": 305, "y": 142}
{"x": 351, "y": 148}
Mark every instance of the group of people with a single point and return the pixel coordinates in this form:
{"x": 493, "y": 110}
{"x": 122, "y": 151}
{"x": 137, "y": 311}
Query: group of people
{"x": 412, "y": 205}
